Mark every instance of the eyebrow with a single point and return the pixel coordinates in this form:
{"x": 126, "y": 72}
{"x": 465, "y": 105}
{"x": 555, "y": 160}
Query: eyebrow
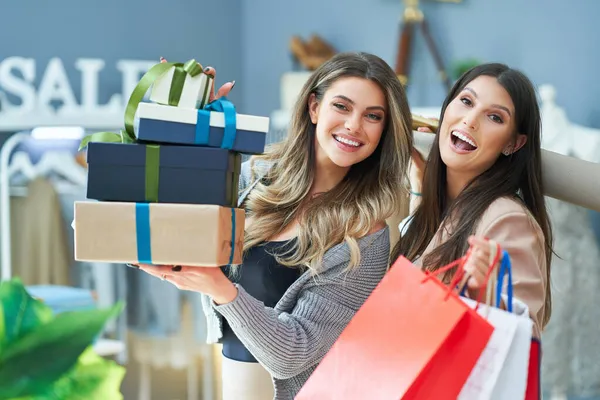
{"x": 341, "y": 96}
{"x": 493, "y": 105}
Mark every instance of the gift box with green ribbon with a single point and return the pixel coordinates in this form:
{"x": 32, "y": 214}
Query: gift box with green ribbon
{"x": 216, "y": 125}
{"x": 166, "y": 174}
{"x": 168, "y": 234}
{"x": 182, "y": 85}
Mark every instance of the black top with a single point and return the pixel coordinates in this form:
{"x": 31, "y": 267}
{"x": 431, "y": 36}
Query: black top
{"x": 264, "y": 279}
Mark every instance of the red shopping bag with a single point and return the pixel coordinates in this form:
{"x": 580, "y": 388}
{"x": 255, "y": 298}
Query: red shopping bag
{"x": 534, "y": 391}
{"x": 412, "y": 339}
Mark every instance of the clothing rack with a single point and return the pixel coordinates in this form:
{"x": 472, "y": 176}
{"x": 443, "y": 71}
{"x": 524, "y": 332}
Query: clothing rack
{"x": 60, "y": 162}
{"x": 71, "y": 180}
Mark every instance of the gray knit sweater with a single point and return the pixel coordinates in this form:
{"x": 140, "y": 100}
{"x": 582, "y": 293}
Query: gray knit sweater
{"x": 291, "y": 339}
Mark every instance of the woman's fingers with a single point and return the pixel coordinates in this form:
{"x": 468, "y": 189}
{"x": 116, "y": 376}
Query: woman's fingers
{"x": 223, "y": 91}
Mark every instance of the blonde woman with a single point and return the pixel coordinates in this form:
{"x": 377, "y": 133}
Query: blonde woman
{"x": 316, "y": 242}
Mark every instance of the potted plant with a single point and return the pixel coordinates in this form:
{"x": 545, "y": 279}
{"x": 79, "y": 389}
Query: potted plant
{"x": 49, "y": 357}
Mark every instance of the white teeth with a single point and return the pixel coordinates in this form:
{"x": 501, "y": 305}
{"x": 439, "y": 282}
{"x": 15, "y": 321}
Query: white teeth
{"x": 464, "y": 138}
{"x": 346, "y": 141}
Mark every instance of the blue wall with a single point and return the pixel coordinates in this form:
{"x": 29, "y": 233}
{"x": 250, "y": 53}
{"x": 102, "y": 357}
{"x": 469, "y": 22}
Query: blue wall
{"x": 247, "y": 40}
{"x": 115, "y": 29}
{"x": 552, "y": 41}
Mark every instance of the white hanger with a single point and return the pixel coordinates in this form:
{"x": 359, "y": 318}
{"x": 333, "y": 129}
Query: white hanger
{"x": 60, "y": 162}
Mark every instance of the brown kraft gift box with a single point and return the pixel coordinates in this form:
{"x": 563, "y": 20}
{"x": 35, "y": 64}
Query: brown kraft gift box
{"x": 158, "y": 233}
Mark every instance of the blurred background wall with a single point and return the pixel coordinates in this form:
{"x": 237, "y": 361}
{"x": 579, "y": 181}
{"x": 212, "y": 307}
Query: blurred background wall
{"x": 45, "y": 47}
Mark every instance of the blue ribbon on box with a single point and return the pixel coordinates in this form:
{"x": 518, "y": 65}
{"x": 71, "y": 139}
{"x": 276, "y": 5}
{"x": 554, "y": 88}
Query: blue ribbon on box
{"x": 203, "y": 122}
{"x": 142, "y": 231}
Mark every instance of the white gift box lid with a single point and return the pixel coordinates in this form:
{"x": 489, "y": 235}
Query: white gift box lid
{"x": 189, "y": 116}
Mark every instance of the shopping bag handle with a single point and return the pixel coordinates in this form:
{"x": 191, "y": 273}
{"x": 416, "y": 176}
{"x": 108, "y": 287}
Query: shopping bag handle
{"x": 505, "y": 270}
{"x": 457, "y": 275}
{"x": 494, "y": 249}
{"x": 491, "y": 269}
{"x": 488, "y": 275}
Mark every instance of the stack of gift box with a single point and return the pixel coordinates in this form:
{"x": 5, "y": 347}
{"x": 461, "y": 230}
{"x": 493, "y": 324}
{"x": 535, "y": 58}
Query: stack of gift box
{"x": 164, "y": 190}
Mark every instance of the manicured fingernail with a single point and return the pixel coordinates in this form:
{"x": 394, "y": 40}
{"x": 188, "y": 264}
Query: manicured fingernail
{"x": 206, "y": 69}
{"x": 176, "y": 268}
{"x": 232, "y": 84}
{"x": 133, "y": 266}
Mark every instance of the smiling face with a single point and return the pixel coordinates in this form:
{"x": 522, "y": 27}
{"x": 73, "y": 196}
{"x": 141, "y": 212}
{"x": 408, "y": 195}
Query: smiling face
{"x": 478, "y": 126}
{"x": 349, "y": 120}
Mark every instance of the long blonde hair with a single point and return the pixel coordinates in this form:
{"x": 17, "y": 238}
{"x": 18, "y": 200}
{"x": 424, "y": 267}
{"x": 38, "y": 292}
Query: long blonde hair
{"x": 370, "y": 192}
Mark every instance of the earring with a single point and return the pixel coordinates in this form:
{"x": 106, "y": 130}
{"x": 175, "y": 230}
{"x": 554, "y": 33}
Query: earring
{"x": 507, "y": 152}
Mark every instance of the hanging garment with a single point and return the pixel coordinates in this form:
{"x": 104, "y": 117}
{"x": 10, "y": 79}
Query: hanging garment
{"x": 40, "y": 253}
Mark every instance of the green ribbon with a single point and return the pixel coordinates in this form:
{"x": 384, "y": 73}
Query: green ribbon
{"x": 191, "y": 68}
{"x": 152, "y": 170}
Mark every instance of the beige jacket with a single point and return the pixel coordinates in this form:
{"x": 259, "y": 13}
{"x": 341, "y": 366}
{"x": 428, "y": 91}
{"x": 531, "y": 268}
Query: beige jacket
{"x": 511, "y": 225}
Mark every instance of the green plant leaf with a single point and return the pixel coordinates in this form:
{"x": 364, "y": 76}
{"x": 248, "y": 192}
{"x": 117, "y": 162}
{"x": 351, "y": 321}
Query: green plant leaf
{"x": 21, "y": 312}
{"x": 92, "y": 378}
{"x": 2, "y": 328}
{"x": 34, "y": 362}
{"x": 95, "y": 378}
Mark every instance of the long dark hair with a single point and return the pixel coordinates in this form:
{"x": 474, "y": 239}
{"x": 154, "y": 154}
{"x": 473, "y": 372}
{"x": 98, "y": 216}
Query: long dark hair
{"x": 518, "y": 176}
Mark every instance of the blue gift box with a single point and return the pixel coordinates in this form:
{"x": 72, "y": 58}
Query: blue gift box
{"x": 166, "y": 174}
{"x": 205, "y": 127}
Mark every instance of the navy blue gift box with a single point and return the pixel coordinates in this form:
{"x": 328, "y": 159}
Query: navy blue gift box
{"x": 167, "y": 174}
{"x": 217, "y": 125}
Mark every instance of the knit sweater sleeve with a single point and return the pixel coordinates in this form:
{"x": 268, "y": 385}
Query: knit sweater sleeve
{"x": 287, "y": 344}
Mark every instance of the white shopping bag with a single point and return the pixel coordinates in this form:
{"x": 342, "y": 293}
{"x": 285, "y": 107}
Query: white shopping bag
{"x": 512, "y": 382}
{"x": 501, "y": 371}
